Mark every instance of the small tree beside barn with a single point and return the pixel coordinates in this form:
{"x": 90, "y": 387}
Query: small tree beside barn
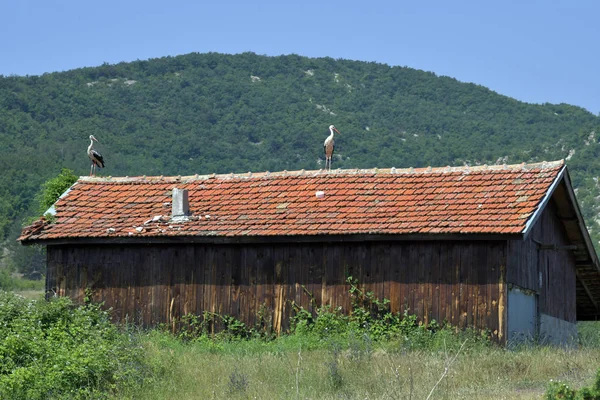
{"x": 500, "y": 248}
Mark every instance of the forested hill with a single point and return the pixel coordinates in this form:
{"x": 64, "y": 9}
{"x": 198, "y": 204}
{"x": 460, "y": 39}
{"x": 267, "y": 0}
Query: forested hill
{"x": 204, "y": 113}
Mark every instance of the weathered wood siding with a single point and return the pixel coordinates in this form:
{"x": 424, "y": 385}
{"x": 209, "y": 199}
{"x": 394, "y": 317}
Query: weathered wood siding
{"x": 550, "y": 273}
{"x": 458, "y": 282}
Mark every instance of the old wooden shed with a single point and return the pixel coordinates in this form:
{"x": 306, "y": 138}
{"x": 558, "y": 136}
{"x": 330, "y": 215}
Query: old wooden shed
{"x": 502, "y": 248}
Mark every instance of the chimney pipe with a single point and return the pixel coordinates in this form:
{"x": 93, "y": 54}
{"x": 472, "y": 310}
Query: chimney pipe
{"x": 180, "y": 204}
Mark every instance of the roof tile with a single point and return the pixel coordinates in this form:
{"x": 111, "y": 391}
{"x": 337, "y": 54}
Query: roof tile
{"x": 493, "y": 200}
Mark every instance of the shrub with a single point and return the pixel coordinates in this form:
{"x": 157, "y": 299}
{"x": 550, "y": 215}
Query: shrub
{"x": 562, "y": 391}
{"x": 54, "y": 188}
{"x": 193, "y": 327}
{"x": 559, "y": 390}
{"x": 53, "y": 349}
{"x": 372, "y": 318}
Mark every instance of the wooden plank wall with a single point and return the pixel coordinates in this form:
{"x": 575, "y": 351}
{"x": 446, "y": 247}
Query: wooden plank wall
{"x": 456, "y": 282}
{"x": 526, "y": 262}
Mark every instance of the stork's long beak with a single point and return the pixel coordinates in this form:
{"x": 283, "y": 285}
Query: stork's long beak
{"x": 336, "y": 130}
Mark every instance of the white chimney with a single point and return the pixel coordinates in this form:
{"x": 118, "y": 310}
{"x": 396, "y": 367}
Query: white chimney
{"x": 180, "y": 204}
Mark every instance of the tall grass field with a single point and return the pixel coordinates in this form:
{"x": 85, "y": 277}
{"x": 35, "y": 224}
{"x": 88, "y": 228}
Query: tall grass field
{"x": 56, "y": 350}
{"x": 303, "y": 368}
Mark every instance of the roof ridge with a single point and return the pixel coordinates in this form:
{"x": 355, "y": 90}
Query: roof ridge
{"x": 322, "y": 172}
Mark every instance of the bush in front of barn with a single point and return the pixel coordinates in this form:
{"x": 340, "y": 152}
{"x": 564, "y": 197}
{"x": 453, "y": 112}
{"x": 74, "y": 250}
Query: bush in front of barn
{"x": 53, "y": 349}
{"x": 561, "y": 390}
{"x": 368, "y": 320}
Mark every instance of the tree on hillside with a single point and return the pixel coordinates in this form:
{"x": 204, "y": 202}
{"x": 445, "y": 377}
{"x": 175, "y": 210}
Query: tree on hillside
{"x": 31, "y": 260}
{"x": 53, "y": 188}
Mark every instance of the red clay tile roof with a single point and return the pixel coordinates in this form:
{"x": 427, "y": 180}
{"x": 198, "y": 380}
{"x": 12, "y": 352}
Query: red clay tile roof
{"x": 491, "y": 200}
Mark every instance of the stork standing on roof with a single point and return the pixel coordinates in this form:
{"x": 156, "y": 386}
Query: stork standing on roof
{"x": 328, "y": 146}
{"x": 97, "y": 160}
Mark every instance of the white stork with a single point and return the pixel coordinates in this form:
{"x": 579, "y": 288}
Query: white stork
{"x": 328, "y": 146}
{"x": 97, "y": 160}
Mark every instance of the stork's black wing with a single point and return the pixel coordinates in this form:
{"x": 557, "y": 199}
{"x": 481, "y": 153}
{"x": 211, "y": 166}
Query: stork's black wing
{"x": 97, "y": 159}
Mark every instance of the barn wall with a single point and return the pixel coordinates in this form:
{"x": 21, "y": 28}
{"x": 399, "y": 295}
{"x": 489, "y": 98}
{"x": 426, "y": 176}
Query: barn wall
{"x": 456, "y": 282}
{"x": 547, "y": 274}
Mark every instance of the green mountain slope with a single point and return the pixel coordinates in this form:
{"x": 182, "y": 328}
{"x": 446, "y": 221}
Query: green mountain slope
{"x": 204, "y": 113}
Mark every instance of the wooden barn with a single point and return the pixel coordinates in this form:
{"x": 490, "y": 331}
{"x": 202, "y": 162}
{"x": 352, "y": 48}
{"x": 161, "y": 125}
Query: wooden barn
{"x": 502, "y": 248}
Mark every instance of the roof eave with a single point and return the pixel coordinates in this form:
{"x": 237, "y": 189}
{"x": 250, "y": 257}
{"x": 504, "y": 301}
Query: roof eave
{"x": 563, "y": 176}
{"x": 581, "y": 222}
{"x": 540, "y": 208}
{"x": 271, "y": 239}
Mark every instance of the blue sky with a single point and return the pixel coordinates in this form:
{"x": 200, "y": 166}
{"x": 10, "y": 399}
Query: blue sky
{"x": 534, "y": 51}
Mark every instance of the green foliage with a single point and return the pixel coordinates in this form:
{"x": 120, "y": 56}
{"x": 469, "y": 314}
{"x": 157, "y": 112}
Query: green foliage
{"x": 561, "y": 390}
{"x": 52, "y": 349}
{"x": 222, "y": 327}
{"x": 300, "y": 367}
{"x": 31, "y": 260}
{"x": 9, "y": 282}
{"x": 203, "y": 113}
{"x": 53, "y": 189}
{"x": 588, "y": 334}
{"x": 370, "y": 320}
{"x": 329, "y": 322}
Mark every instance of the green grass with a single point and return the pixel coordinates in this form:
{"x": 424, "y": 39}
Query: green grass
{"x": 29, "y": 294}
{"x": 59, "y": 350}
{"x": 29, "y": 289}
{"x": 589, "y": 333}
{"x": 25, "y": 287}
{"x": 305, "y": 367}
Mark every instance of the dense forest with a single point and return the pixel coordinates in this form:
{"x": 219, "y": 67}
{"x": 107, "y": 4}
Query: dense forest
{"x": 204, "y": 113}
